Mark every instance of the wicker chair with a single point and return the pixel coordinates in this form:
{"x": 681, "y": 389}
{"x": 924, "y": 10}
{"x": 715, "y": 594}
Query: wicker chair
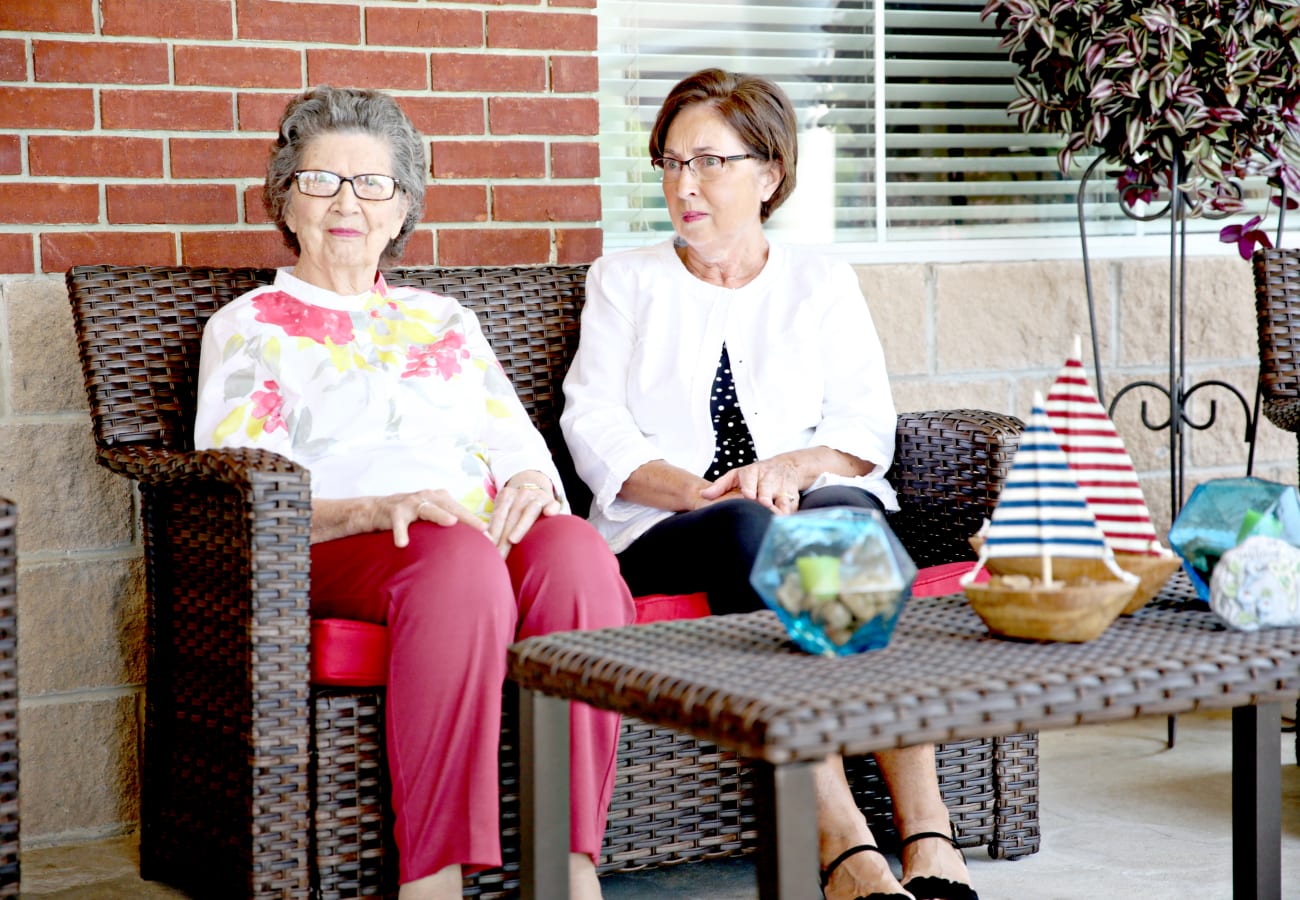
{"x": 9, "y": 870}
{"x": 256, "y": 782}
{"x": 1277, "y": 307}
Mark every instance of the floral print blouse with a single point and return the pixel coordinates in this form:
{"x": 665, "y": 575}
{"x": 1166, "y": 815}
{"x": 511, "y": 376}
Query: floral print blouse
{"x": 390, "y": 391}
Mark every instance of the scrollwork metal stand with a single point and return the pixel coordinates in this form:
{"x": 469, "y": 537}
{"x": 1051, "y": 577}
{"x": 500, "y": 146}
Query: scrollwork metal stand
{"x": 1177, "y": 392}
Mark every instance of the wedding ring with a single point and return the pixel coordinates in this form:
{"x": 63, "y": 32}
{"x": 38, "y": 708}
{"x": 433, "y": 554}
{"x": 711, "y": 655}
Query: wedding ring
{"x": 422, "y": 504}
{"x": 790, "y": 498}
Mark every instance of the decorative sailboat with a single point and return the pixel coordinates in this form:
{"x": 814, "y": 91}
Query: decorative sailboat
{"x": 1105, "y": 474}
{"x": 1042, "y": 517}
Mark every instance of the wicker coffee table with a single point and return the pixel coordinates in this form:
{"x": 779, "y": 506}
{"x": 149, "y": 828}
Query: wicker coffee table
{"x": 738, "y": 681}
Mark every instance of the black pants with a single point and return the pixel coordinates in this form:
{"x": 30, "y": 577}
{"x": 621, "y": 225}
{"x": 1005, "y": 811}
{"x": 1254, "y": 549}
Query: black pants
{"x": 713, "y": 548}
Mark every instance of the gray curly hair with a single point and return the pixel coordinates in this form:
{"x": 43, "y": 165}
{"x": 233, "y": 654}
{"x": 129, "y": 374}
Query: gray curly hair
{"x": 325, "y": 109}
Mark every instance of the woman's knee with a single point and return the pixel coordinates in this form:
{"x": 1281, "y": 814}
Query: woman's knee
{"x": 564, "y": 566}
{"x": 453, "y": 567}
{"x": 741, "y": 523}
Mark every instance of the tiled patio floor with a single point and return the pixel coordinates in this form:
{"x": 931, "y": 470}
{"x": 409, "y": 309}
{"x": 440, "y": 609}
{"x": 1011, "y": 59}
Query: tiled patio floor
{"x": 1122, "y": 816}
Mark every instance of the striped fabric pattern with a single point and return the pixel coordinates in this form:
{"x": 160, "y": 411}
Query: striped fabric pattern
{"x": 1102, "y": 467}
{"x": 1041, "y": 509}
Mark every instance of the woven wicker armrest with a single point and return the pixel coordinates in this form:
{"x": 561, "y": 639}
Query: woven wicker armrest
{"x": 949, "y": 466}
{"x": 1277, "y": 307}
{"x": 238, "y": 468}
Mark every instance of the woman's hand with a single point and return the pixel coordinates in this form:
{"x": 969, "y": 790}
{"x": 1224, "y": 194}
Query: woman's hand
{"x": 438, "y": 507}
{"x": 774, "y": 482}
{"x": 518, "y": 503}
{"x": 338, "y": 518}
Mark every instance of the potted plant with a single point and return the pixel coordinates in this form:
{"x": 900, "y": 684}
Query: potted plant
{"x": 1201, "y": 91}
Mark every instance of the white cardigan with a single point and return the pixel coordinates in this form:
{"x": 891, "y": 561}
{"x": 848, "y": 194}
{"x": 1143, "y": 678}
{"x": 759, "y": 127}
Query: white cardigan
{"x": 806, "y": 360}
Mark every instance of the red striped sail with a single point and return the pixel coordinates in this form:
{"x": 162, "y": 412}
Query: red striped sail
{"x": 1101, "y": 465}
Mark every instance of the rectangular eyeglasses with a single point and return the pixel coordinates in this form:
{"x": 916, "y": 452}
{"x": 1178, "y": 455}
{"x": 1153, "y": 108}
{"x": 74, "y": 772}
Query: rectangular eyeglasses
{"x": 704, "y": 167}
{"x": 320, "y": 183}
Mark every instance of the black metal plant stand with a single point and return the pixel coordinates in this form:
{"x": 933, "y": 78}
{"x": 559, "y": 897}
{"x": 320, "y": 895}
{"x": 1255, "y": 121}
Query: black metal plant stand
{"x": 1177, "y": 392}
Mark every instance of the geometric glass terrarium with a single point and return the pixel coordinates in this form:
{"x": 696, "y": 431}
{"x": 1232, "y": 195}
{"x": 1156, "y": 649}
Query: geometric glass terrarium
{"x": 836, "y": 577}
{"x": 1222, "y": 513}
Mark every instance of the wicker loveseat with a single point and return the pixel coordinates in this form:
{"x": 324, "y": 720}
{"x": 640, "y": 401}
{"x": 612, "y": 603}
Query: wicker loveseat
{"x": 257, "y": 782}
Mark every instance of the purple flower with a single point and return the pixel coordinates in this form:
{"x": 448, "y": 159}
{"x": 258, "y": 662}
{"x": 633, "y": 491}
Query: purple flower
{"x": 1245, "y": 236}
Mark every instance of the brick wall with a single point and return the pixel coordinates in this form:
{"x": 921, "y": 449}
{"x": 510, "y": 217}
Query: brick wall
{"x": 137, "y": 130}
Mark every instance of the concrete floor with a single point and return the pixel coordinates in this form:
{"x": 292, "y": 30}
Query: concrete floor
{"x": 1122, "y": 816}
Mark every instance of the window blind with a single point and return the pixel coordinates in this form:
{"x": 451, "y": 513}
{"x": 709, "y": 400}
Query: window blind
{"x": 903, "y": 108}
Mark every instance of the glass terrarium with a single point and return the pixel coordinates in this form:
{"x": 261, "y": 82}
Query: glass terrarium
{"x": 836, "y": 577}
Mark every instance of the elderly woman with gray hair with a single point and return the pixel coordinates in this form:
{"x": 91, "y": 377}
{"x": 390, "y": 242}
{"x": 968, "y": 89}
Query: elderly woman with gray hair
{"x": 435, "y": 506}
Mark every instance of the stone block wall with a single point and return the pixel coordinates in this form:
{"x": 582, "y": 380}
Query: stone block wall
{"x": 134, "y": 131}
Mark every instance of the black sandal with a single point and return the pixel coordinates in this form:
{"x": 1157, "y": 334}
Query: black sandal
{"x": 835, "y": 864}
{"x": 931, "y": 887}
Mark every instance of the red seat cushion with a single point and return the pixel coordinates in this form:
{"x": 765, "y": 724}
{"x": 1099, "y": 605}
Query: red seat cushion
{"x": 662, "y": 607}
{"x": 347, "y": 653}
{"x": 935, "y": 581}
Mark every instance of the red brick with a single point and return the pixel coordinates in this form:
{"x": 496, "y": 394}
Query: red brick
{"x": 219, "y": 157}
{"x": 171, "y": 204}
{"x": 61, "y": 250}
{"x": 32, "y": 203}
{"x": 13, "y": 61}
{"x": 546, "y": 203}
{"x": 493, "y": 246}
{"x": 11, "y": 154}
{"x": 91, "y": 63}
{"x": 522, "y": 115}
{"x": 419, "y": 249}
{"x": 575, "y": 246}
{"x": 489, "y": 159}
{"x": 455, "y": 203}
{"x": 487, "y": 72}
{"x": 194, "y": 19}
{"x": 16, "y": 256}
{"x": 120, "y": 157}
{"x": 239, "y": 67}
{"x": 583, "y": 4}
{"x": 541, "y": 31}
{"x": 45, "y": 107}
{"x": 262, "y": 112}
{"x": 254, "y": 210}
{"x": 166, "y": 110}
{"x": 311, "y": 23}
{"x": 425, "y": 27}
{"x": 46, "y": 17}
{"x": 445, "y": 115}
{"x": 384, "y": 69}
{"x": 574, "y": 74}
{"x": 264, "y": 247}
{"x": 575, "y": 160}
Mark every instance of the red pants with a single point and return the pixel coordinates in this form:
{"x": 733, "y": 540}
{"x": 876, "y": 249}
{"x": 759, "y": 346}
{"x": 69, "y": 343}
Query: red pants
{"x": 452, "y": 606}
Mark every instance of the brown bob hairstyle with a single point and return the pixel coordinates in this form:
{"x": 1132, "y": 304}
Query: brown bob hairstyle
{"x": 755, "y": 108}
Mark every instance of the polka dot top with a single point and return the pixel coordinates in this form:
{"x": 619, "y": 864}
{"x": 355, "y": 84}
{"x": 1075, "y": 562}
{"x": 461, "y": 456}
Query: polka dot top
{"x": 734, "y": 443}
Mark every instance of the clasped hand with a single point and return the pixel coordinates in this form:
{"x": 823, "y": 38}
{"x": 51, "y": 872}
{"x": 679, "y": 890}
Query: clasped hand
{"x": 772, "y": 482}
{"x": 518, "y": 504}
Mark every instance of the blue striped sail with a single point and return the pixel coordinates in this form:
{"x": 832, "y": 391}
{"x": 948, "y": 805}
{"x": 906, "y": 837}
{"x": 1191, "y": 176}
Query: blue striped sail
{"x": 1041, "y": 511}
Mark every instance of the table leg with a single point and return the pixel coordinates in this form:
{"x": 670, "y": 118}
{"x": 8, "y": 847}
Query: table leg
{"x": 543, "y": 796}
{"x": 786, "y": 805}
{"x": 1256, "y": 803}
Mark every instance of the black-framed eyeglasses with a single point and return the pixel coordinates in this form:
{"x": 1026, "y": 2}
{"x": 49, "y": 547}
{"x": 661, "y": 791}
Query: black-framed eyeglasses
{"x": 704, "y": 167}
{"x": 320, "y": 183}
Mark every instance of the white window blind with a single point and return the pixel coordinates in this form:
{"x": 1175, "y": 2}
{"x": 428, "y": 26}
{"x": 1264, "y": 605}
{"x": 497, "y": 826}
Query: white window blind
{"x": 906, "y": 134}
